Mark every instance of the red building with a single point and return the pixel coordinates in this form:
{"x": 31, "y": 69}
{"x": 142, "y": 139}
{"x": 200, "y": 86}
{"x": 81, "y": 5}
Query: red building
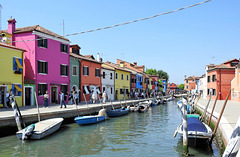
{"x": 90, "y": 80}
{"x": 219, "y": 79}
{"x": 173, "y": 88}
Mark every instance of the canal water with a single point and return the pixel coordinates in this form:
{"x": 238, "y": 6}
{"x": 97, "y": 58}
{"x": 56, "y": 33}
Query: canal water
{"x": 136, "y": 134}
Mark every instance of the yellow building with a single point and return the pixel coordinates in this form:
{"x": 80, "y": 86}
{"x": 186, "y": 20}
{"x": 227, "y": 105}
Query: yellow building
{"x": 11, "y": 73}
{"x": 122, "y": 81}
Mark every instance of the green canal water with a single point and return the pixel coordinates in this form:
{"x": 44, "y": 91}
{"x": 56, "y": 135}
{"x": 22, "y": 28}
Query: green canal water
{"x": 146, "y": 134}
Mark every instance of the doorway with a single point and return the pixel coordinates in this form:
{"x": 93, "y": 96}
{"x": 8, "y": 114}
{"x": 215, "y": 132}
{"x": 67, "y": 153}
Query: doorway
{"x": 54, "y": 94}
{"x": 3, "y": 90}
{"x": 28, "y": 96}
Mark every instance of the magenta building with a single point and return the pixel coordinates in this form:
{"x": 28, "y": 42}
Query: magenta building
{"x": 46, "y": 62}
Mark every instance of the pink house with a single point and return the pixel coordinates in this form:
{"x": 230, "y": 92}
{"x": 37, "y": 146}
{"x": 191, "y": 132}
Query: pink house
{"x": 46, "y": 61}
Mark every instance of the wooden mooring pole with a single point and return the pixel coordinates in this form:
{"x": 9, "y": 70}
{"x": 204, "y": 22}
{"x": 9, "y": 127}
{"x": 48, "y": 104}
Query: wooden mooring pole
{"x": 210, "y": 117}
{"x": 195, "y": 106}
{"x": 205, "y": 110}
{"x": 219, "y": 118}
{"x": 185, "y": 130}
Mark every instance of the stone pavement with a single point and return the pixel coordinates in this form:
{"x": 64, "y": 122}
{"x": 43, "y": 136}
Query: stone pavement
{"x": 229, "y": 117}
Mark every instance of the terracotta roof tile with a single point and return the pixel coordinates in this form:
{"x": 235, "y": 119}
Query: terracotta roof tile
{"x": 84, "y": 58}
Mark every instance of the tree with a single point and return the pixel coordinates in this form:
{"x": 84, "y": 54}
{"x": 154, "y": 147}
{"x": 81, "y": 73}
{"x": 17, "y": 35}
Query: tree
{"x": 181, "y": 86}
{"x": 162, "y": 74}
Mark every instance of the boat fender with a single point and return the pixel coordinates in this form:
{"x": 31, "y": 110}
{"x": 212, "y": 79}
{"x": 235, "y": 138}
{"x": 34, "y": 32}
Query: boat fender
{"x": 102, "y": 112}
{"x": 175, "y": 134}
{"x": 28, "y": 131}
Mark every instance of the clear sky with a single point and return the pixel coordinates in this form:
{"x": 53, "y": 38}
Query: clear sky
{"x": 181, "y": 43}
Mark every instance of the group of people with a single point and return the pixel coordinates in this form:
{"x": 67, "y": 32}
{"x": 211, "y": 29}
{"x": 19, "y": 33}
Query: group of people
{"x": 5, "y": 98}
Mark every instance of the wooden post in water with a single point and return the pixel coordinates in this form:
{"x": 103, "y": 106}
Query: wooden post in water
{"x": 233, "y": 145}
{"x": 205, "y": 110}
{"x": 120, "y": 102}
{"x": 86, "y": 103}
{"x": 111, "y": 103}
{"x": 37, "y": 106}
{"x": 185, "y": 130}
{"x": 210, "y": 117}
{"x": 195, "y": 106}
{"x": 219, "y": 118}
{"x": 100, "y": 101}
{"x": 16, "y": 113}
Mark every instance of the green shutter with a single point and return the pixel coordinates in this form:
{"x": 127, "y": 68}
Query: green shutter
{"x": 45, "y": 43}
{"x": 39, "y": 67}
{"x": 46, "y": 67}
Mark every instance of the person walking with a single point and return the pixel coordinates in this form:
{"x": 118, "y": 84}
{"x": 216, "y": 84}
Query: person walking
{"x": 104, "y": 97}
{"x": 45, "y": 99}
{"x": 62, "y": 102}
{"x": 7, "y": 100}
{"x": 76, "y": 98}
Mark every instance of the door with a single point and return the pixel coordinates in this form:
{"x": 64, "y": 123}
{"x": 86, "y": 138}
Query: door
{"x": 2, "y": 96}
{"x": 54, "y": 95}
{"x": 28, "y": 96}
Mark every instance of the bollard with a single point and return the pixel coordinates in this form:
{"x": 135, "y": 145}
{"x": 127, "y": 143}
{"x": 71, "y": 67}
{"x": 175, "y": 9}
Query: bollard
{"x": 185, "y": 130}
{"x": 234, "y": 142}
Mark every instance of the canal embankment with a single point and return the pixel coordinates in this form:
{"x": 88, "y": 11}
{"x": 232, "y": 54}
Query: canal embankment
{"x": 229, "y": 117}
{"x": 30, "y": 113}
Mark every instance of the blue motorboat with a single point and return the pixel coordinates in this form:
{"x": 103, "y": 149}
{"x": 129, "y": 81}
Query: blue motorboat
{"x": 117, "y": 112}
{"x": 155, "y": 103}
{"x": 83, "y": 120}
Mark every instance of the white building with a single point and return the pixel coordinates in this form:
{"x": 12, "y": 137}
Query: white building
{"x": 108, "y": 84}
{"x": 203, "y": 86}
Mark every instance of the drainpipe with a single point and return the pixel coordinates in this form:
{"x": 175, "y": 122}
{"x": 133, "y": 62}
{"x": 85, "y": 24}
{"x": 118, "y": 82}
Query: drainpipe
{"x": 22, "y": 79}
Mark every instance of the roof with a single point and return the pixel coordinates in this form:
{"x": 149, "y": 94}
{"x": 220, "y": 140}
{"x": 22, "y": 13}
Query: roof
{"x": 75, "y": 45}
{"x": 224, "y": 65}
{"x": 84, "y": 58}
{"x": 132, "y": 67}
{"x": 38, "y": 29}
{"x": 116, "y": 66}
{"x": 89, "y": 56}
{"x": 11, "y": 46}
{"x": 108, "y": 68}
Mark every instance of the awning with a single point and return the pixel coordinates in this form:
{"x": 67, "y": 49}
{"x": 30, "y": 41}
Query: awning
{"x": 86, "y": 90}
{"x": 18, "y": 63}
{"x": 18, "y": 88}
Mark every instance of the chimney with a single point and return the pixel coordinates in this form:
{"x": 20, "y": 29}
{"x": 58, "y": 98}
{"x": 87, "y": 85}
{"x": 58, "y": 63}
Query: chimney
{"x": 135, "y": 63}
{"x": 11, "y": 26}
{"x": 122, "y": 64}
{"x": 98, "y": 57}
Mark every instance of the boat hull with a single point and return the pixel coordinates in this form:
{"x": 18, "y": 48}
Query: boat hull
{"x": 43, "y": 128}
{"x": 117, "y": 112}
{"x": 84, "y": 120}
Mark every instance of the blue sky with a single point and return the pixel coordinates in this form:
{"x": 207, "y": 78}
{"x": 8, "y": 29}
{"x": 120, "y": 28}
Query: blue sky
{"x": 181, "y": 43}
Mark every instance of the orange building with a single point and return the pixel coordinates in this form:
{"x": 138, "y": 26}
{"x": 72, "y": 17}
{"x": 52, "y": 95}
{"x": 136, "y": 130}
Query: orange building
{"x": 219, "y": 79}
{"x": 235, "y": 85}
{"x": 187, "y": 82}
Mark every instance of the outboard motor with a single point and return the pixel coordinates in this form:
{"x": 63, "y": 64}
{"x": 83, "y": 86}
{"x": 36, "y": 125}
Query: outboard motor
{"x": 28, "y": 131}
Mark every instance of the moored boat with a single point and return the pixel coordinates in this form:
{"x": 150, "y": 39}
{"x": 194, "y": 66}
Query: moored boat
{"x": 41, "y": 130}
{"x": 117, "y": 112}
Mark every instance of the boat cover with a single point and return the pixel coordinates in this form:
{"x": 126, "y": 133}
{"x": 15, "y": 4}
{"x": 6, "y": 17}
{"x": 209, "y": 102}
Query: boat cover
{"x": 194, "y": 124}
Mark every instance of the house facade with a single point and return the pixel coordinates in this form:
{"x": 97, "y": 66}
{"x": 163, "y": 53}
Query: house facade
{"x": 187, "y": 82}
{"x": 219, "y": 79}
{"x": 108, "y": 81}
{"x": 235, "y": 85}
{"x": 122, "y": 81}
{"x": 46, "y": 60}
{"x": 203, "y": 86}
{"x": 11, "y": 76}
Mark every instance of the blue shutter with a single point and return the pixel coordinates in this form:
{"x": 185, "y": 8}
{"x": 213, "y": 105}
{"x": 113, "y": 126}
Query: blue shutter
{"x": 14, "y": 63}
{"x": 20, "y": 60}
{"x": 20, "y": 93}
{"x": 13, "y": 89}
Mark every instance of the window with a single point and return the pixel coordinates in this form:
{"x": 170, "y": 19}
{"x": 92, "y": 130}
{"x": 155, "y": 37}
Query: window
{"x": 74, "y": 69}
{"x": 111, "y": 90}
{"x": 116, "y": 76}
{"x": 42, "y": 67}
{"x": 76, "y": 51}
{"x": 64, "y": 70}
{"x": 208, "y": 91}
{"x": 213, "y": 78}
{"x": 214, "y": 92}
{"x": 186, "y": 81}
{"x": 64, "y": 88}
{"x": 151, "y": 82}
{"x": 64, "y": 48}
{"x": 187, "y": 87}
{"x": 103, "y": 89}
{"x": 208, "y": 79}
{"x": 121, "y": 91}
{"x": 103, "y": 75}
{"x": 127, "y": 77}
{"x": 122, "y": 77}
{"x": 17, "y": 89}
{"x": 132, "y": 80}
{"x": 17, "y": 65}
{"x": 85, "y": 71}
{"x": 111, "y": 76}
{"x": 42, "y": 88}
{"x": 42, "y": 42}
{"x": 97, "y": 72}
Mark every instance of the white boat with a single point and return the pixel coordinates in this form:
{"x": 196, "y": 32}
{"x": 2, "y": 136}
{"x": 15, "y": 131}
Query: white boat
{"x": 42, "y": 129}
{"x": 196, "y": 129}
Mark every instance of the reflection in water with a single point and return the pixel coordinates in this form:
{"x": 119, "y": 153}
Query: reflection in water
{"x": 136, "y": 134}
